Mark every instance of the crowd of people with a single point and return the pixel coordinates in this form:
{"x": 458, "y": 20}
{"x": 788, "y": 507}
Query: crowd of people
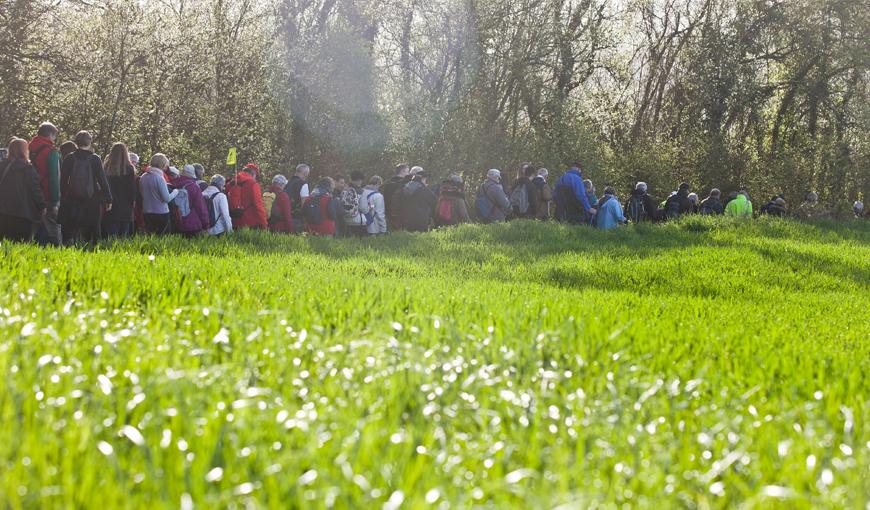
{"x": 67, "y": 194}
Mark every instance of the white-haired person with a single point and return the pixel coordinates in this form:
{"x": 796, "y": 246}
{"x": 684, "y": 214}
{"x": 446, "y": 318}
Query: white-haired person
{"x": 640, "y": 206}
{"x": 280, "y": 214}
{"x": 215, "y": 196}
{"x": 858, "y": 209}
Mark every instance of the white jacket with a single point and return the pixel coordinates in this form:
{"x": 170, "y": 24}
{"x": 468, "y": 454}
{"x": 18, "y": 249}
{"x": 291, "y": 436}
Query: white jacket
{"x": 374, "y": 202}
{"x": 223, "y": 222}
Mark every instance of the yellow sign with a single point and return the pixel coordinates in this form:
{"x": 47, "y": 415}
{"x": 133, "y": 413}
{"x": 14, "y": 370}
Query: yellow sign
{"x": 231, "y": 157}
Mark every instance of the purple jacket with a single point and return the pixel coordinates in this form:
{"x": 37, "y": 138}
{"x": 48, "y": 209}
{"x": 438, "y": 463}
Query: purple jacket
{"x": 197, "y": 220}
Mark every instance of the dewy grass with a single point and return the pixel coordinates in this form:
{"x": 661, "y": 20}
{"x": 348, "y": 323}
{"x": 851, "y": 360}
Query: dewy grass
{"x": 701, "y": 364}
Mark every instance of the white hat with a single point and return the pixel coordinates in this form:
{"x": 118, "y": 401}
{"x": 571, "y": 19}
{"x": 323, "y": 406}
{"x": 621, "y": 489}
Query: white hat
{"x": 189, "y": 171}
{"x": 174, "y": 171}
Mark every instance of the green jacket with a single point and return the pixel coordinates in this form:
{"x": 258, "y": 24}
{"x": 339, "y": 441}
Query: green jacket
{"x": 740, "y": 207}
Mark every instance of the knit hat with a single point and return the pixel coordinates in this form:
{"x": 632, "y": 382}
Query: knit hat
{"x": 189, "y": 171}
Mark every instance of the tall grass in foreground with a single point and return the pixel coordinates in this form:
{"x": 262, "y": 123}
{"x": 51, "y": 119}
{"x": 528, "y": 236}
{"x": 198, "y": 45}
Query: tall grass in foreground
{"x": 701, "y": 364}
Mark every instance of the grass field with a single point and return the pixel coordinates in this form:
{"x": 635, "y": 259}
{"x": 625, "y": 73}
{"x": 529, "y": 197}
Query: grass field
{"x": 697, "y": 365}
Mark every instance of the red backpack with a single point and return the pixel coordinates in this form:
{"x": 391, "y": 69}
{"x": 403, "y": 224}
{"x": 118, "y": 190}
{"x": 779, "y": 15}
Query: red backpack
{"x": 444, "y": 211}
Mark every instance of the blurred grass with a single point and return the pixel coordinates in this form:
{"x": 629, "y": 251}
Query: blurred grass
{"x": 701, "y": 364}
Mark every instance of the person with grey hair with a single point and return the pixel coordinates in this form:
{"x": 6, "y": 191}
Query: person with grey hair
{"x": 545, "y": 193}
{"x": 219, "y": 221}
{"x": 156, "y": 196}
{"x": 297, "y": 189}
{"x": 321, "y": 209}
{"x": 279, "y": 209}
{"x": 191, "y": 216}
{"x": 858, "y": 209}
{"x": 492, "y": 204}
{"x": 809, "y": 209}
{"x": 711, "y": 206}
{"x": 640, "y": 206}
{"x": 199, "y": 171}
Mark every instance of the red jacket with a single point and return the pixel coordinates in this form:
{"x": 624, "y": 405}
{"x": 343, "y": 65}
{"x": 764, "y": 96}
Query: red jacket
{"x": 281, "y": 219}
{"x": 326, "y": 227}
{"x": 246, "y": 202}
{"x": 40, "y": 149}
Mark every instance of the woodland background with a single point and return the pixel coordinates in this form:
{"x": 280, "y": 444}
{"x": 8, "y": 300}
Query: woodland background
{"x": 769, "y": 95}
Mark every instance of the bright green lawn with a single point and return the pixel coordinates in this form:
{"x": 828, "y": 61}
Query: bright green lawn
{"x": 696, "y": 365}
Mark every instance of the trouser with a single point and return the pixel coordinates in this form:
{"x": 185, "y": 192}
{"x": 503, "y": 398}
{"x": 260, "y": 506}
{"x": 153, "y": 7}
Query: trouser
{"x": 49, "y": 231}
{"x": 356, "y": 230}
{"x": 157, "y": 224}
{"x": 14, "y": 228}
{"x": 122, "y": 229}
{"x": 78, "y": 234}
{"x": 298, "y": 225}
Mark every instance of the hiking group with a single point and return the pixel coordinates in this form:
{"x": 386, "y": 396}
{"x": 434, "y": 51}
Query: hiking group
{"x": 68, "y": 195}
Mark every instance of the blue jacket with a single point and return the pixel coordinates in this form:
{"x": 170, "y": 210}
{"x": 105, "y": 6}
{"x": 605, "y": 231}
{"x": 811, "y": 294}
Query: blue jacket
{"x": 609, "y": 215}
{"x": 573, "y": 181}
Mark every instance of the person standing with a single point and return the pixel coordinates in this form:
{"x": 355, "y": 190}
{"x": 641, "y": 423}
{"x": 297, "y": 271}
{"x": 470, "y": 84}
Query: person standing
{"x": 525, "y": 197}
{"x": 84, "y": 192}
{"x": 22, "y": 203}
{"x": 418, "y": 203}
{"x": 452, "y": 208}
{"x": 297, "y": 190}
{"x": 376, "y": 213}
{"x": 46, "y": 160}
{"x": 118, "y": 222}
{"x": 246, "y": 199}
{"x": 640, "y": 206}
{"x": 572, "y": 202}
{"x": 218, "y": 207}
{"x": 192, "y": 214}
{"x": 711, "y": 206}
{"x": 609, "y": 213}
{"x": 156, "y": 196}
{"x": 740, "y": 207}
{"x": 281, "y": 215}
{"x": 545, "y": 191}
{"x": 392, "y": 196}
{"x": 492, "y": 204}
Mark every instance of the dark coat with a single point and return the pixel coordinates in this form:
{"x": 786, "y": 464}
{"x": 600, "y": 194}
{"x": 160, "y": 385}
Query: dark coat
{"x": 533, "y": 194}
{"x": 392, "y": 201}
{"x": 123, "y": 196}
{"x": 77, "y": 211}
{"x": 649, "y": 205}
{"x": 20, "y": 194}
{"x": 418, "y": 205}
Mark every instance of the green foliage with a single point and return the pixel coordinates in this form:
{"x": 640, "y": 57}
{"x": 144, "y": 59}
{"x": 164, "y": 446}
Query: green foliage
{"x": 704, "y": 363}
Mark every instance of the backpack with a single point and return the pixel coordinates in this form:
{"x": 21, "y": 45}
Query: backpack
{"x": 636, "y": 209}
{"x": 234, "y": 197}
{"x": 182, "y": 202}
{"x": 81, "y": 181}
{"x": 707, "y": 209}
{"x": 212, "y": 210}
{"x": 369, "y": 213}
{"x": 520, "y": 200}
{"x": 483, "y": 205}
{"x": 311, "y": 210}
{"x": 444, "y": 211}
{"x": 350, "y": 203}
{"x": 269, "y": 198}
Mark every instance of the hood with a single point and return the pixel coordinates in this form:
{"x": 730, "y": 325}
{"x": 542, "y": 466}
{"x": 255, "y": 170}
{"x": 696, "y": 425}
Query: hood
{"x": 638, "y": 193}
{"x": 244, "y": 177}
{"x": 413, "y": 187}
{"x": 740, "y": 198}
{"x": 39, "y": 141}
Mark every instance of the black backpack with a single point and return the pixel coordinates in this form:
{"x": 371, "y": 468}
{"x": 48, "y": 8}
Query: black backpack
{"x": 81, "y": 180}
{"x": 212, "y": 212}
{"x": 311, "y": 210}
{"x": 636, "y": 209}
